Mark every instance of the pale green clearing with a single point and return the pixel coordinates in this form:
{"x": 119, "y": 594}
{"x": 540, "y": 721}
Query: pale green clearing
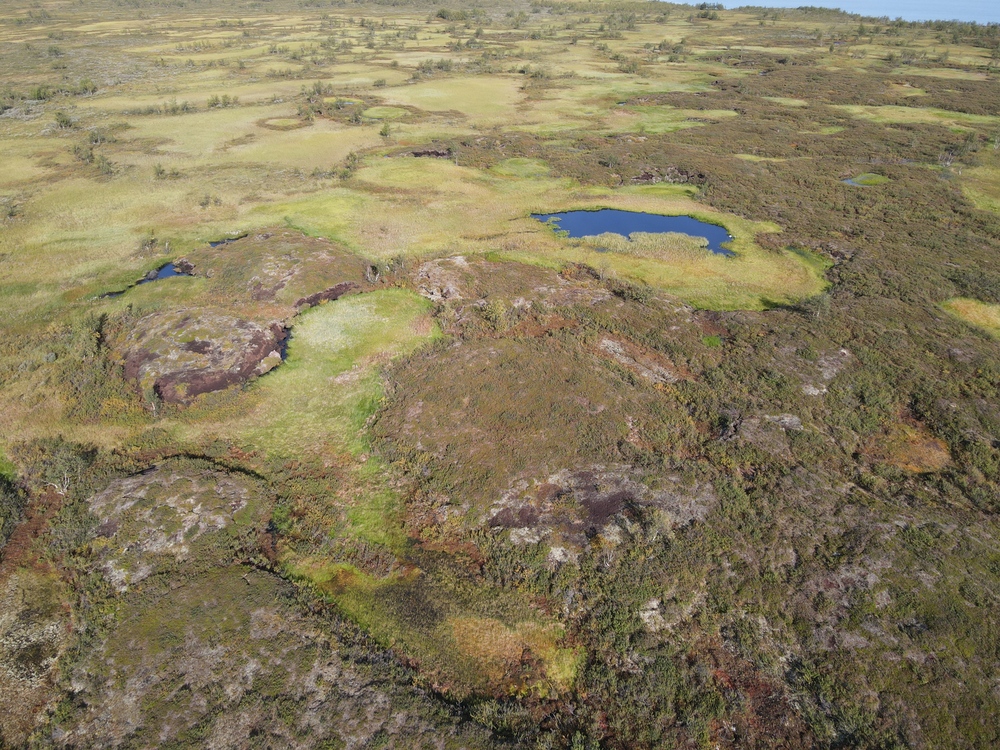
{"x": 522, "y": 167}
{"x": 982, "y": 184}
{"x": 385, "y": 113}
{"x": 955, "y": 74}
{"x": 661, "y": 119}
{"x": 758, "y": 158}
{"x": 484, "y": 99}
{"x": 787, "y": 101}
{"x": 982, "y": 315}
{"x": 893, "y": 114}
{"x": 869, "y": 179}
{"x": 330, "y": 384}
{"x": 283, "y": 123}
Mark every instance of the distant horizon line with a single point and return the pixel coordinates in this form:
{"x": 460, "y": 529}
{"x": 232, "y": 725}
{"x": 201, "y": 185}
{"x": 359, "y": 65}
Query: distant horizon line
{"x": 890, "y": 13}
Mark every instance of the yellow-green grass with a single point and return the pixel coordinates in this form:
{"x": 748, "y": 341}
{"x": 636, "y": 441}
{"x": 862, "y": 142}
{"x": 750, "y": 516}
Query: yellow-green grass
{"x": 894, "y": 114}
{"x": 473, "y": 652}
{"x": 907, "y": 90}
{"x": 982, "y": 184}
{"x": 661, "y": 119}
{"x": 200, "y": 133}
{"x": 323, "y": 146}
{"x": 485, "y": 99}
{"x": 979, "y": 314}
{"x": 869, "y": 179}
{"x": 7, "y": 469}
{"x": 385, "y": 113}
{"x": 283, "y": 123}
{"x": 757, "y": 158}
{"x": 195, "y": 90}
{"x": 524, "y": 167}
{"x": 949, "y": 73}
{"x": 26, "y": 160}
{"x": 366, "y": 77}
{"x": 787, "y": 101}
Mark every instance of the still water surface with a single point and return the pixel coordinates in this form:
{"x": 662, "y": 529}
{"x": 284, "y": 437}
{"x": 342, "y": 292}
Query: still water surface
{"x": 592, "y": 223}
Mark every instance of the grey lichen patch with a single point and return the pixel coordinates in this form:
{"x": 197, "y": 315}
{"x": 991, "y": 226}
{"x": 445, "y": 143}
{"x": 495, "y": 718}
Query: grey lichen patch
{"x": 32, "y": 627}
{"x": 222, "y": 659}
{"x": 162, "y": 513}
{"x": 33, "y": 633}
{"x": 444, "y": 278}
{"x": 648, "y": 365}
{"x": 568, "y": 508}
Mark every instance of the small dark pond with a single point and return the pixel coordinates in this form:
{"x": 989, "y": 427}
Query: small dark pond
{"x": 592, "y": 223}
{"x": 163, "y": 272}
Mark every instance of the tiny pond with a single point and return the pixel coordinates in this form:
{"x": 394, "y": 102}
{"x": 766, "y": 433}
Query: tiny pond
{"x": 165, "y": 271}
{"x": 592, "y": 223}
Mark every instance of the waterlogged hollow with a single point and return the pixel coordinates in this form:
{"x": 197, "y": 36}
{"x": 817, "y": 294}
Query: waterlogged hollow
{"x": 165, "y": 271}
{"x": 593, "y": 223}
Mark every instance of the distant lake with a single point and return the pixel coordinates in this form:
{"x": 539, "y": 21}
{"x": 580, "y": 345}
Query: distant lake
{"x": 980, "y": 11}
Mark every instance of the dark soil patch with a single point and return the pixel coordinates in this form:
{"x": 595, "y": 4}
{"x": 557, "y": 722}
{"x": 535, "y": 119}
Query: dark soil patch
{"x": 327, "y": 295}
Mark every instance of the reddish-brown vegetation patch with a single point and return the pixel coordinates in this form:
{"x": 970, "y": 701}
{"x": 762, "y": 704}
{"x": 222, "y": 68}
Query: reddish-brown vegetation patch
{"x": 767, "y": 717}
{"x": 910, "y": 446}
{"x": 649, "y": 365}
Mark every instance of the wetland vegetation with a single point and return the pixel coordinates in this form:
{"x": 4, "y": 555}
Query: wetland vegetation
{"x": 399, "y": 465}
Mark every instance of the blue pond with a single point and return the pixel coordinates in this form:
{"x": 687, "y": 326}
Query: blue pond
{"x": 163, "y": 272}
{"x": 591, "y": 223}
